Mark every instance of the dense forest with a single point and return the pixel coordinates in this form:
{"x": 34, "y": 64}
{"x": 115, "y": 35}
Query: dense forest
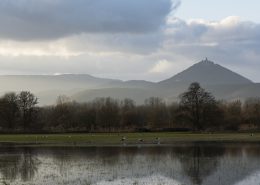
{"x": 197, "y": 110}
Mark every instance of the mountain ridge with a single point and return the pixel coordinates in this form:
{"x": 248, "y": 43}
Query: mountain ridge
{"x": 200, "y": 68}
{"x": 222, "y": 82}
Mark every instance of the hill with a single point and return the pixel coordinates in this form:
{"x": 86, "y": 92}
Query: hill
{"x": 207, "y": 73}
{"x": 222, "y": 82}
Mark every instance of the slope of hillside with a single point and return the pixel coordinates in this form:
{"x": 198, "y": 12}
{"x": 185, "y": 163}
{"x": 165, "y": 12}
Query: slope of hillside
{"x": 50, "y": 82}
{"x": 208, "y": 73}
{"x": 223, "y": 83}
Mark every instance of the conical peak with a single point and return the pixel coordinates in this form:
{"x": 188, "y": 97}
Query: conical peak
{"x": 208, "y": 72}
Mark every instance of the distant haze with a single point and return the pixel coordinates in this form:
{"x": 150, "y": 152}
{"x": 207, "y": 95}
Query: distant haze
{"x": 222, "y": 82}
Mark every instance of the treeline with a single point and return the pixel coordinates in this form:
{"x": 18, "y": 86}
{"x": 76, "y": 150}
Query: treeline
{"x": 197, "y": 110}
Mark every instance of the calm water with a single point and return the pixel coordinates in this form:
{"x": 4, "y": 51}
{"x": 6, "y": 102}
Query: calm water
{"x": 198, "y": 164}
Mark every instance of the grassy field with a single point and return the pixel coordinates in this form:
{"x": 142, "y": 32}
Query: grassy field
{"x": 110, "y": 139}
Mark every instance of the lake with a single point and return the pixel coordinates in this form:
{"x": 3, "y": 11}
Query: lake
{"x": 180, "y": 164}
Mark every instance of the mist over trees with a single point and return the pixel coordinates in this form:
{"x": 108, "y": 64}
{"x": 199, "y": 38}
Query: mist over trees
{"x": 197, "y": 110}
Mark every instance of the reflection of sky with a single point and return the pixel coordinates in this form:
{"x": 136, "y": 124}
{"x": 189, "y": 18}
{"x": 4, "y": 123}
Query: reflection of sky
{"x": 125, "y": 170}
{"x": 170, "y": 166}
{"x": 251, "y": 180}
{"x": 233, "y": 170}
{"x": 151, "y": 180}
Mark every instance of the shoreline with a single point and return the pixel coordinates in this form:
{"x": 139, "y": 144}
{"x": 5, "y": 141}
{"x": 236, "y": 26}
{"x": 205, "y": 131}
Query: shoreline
{"x": 125, "y": 139}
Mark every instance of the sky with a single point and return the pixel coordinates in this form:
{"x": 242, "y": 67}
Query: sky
{"x": 217, "y": 10}
{"x": 138, "y": 39}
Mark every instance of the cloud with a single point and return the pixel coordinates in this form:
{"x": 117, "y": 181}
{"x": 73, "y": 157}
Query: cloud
{"x": 161, "y": 67}
{"x": 39, "y": 49}
{"x": 52, "y": 19}
{"x": 231, "y": 30}
{"x": 125, "y": 51}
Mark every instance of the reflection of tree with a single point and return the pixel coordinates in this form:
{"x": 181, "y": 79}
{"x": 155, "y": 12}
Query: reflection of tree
{"x": 200, "y": 161}
{"x": 195, "y": 164}
{"x": 9, "y": 166}
{"x": 20, "y": 162}
{"x": 28, "y": 165}
{"x": 61, "y": 157}
{"x": 106, "y": 155}
{"x": 239, "y": 163}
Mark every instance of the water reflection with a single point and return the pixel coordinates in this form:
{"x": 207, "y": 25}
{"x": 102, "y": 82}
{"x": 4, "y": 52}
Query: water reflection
{"x": 18, "y": 163}
{"x": 200, "y": 161}
{"x": 193, "y": 164}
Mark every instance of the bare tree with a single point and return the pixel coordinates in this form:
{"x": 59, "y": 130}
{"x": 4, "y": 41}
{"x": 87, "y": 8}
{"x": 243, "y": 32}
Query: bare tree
{"x": 63, "y": 115}
{"x": 195, "y": 102}
{"x": 157, "y": 113}
{"x": 107, "y": 113}
{"x": 128, "y": 114}
{"x": 9, "y": 110}
{"x": 27, "y": 102}
{"x": 251, "y": 112}
{"x": 233, "y": 115}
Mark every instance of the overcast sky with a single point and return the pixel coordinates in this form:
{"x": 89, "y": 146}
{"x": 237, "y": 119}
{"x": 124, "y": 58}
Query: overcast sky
{"x": 137, "y": 39}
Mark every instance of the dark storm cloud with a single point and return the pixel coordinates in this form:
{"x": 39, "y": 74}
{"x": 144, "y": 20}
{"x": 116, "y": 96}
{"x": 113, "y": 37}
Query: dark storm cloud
{"x": 50, "y": 19}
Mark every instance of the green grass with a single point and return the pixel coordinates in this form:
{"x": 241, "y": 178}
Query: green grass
{"x": 106, "y": 139}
